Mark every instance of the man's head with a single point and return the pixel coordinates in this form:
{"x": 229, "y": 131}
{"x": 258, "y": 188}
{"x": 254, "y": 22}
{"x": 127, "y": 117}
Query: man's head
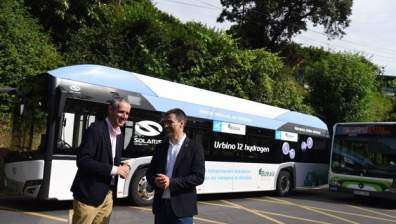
{"x": 118, "y": 111}
{"x": 174, "y": 122}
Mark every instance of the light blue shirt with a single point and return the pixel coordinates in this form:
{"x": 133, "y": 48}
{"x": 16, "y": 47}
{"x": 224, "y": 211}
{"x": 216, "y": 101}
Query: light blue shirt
{"x": 173, "y": 151}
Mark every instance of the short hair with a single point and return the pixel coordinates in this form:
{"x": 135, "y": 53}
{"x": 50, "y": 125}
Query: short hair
{"x": 179, "y": 114}
{"x": 115, "y": 102}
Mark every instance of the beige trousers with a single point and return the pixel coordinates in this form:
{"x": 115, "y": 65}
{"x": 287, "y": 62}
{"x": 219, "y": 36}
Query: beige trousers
{"x": 87, "y": 214}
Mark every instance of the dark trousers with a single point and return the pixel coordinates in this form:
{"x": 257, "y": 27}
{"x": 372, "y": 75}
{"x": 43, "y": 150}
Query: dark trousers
{"x": 165, "y": 215}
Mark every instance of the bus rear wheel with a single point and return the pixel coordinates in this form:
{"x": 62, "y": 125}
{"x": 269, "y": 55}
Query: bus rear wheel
{"x": 284, "y": 183}
{"x": 140, "y": 192}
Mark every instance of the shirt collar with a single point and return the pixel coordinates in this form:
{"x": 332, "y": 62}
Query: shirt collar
{"x": 113, "y": 131}
{"x": 180, "y": 142}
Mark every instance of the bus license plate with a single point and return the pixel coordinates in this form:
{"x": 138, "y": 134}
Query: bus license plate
{"x": 363, "y": 193}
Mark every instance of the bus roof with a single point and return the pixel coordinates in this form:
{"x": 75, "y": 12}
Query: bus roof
{"x": 164, "y": 95}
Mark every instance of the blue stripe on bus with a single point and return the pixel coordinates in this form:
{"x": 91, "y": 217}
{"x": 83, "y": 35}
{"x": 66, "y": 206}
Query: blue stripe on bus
{"x": 103, "y": 76}
{"x": 303, "y": 119}
{"x": 195, "y": 110}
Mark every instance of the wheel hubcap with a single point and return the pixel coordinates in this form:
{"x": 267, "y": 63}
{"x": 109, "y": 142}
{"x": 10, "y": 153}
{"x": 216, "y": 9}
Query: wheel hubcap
{"x": 285, "y": 184}
{"x": 143, "y": 190}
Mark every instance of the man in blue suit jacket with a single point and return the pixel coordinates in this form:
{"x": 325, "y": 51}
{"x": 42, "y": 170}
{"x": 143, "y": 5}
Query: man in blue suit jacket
{"x": 99, "y": 165}
{"x": 177, "y": 167}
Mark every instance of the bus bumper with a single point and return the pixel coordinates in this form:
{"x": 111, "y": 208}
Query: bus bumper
{"x": 389, "y": 193}
{"x": 29, "y": 188}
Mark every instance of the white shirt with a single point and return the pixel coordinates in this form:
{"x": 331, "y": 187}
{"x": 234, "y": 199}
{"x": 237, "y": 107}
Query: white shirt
{"x": 173, "y": 151}
{"x": 113, "y": 132}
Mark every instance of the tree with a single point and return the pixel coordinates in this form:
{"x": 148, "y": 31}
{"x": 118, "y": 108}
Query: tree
{"x": 137, "y": 37}
{"x": 269, "y": 23}
{"x": 25, "y": 50}
{"x": 62, "y": 18}
{"x": 133, "y": 37}
{"x": 343, "y": 88}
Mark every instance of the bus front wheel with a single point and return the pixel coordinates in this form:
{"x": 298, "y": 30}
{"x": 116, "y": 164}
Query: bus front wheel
{"x": 140, "y": 192}
{"x": 284, "y": 183}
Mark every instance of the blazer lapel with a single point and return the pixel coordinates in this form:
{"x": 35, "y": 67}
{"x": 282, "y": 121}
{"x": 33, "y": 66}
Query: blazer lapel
{"x": 119, "y": 147}
{"x": 107, "y": 142}
{"x": 164, "y": 157}
{"x": 182, "y": 152}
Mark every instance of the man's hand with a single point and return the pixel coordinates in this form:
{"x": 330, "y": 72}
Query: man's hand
{"x": 127, "y": 162}
{"x": 162, "y": 181}
{"x": 123, "y": 170}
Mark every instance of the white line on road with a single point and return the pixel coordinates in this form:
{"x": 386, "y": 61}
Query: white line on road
{"x": 314, "y": 210}
{"x": 253, "y": 212}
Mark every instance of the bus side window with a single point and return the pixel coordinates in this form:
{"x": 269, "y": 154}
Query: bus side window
{"x": 226, "y": 147}
{"x": 73, "y": 126}
{"x": 201, "y": 136}
{"x": 320, "y": 151}
{"x": 128, "y": 133}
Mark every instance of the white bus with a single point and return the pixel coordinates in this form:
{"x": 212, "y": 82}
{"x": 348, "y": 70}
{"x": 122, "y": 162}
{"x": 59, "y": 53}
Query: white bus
{"x": 248, "y": 146}
{"x": 363, "y": 159}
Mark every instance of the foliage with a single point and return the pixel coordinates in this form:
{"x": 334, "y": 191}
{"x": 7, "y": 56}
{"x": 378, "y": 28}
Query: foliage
{"x": 65, "y": 17}
{"x": 289, "y": 94}
{"x": 24, "y": 49}
{"x": 380, "y": 107}
{"x": 268, "y": 23}
{"x": 116, "y": 40}
{"x": 137, "y": 37}
{"x": 342, "y": 87}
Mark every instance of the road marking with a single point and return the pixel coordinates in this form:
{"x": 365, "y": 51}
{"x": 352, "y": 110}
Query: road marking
{"x": 36, "y": 214}
{"x": 329, "y": 210}
{"x": 294, "y": 217}
{"x": 356, "y": 214}
{"x": 253, "y": 212}
{"x": 197, "y": 218}
{"x": 141, "y": 208}
{"x": 270, "y": 213}
{"x": 270, "y": 201}
{"x": 208, "y": 220}
{"x": 46, "y": 216}
{"x": 314, "y": 210}
{"x": 372, "y": 211}
{"x": 215, "y": 204}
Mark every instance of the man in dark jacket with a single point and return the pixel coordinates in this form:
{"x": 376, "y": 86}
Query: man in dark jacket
{"x": 99, "y": 165}
{"x": 177, "y": 167}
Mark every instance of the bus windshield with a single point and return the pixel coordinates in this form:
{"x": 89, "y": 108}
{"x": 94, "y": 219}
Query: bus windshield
{"x": 30, "y": 116}
{"x": 369, "y": 152}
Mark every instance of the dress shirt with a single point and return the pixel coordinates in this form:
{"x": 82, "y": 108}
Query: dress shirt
{"x": 173, "y": 151}
{"x": 113, "y": 132}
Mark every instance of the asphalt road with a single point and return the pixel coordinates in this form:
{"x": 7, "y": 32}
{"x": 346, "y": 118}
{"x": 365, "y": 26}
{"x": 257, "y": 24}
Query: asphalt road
{"x": 312, "y": 206}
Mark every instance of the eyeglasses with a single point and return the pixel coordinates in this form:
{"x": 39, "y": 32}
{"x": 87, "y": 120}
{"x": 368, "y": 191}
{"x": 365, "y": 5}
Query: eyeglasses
{"x": 168, "y": 122}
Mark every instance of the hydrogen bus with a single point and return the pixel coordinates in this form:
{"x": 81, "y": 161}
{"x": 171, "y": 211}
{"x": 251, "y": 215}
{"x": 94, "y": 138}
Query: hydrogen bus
{"x": 248, "y": 146}
{"x": 363, "y": 159}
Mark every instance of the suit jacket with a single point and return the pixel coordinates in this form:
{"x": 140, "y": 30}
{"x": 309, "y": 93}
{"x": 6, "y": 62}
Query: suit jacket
{"x": 94, "y": 162}
{"x": 188, "y": 172}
